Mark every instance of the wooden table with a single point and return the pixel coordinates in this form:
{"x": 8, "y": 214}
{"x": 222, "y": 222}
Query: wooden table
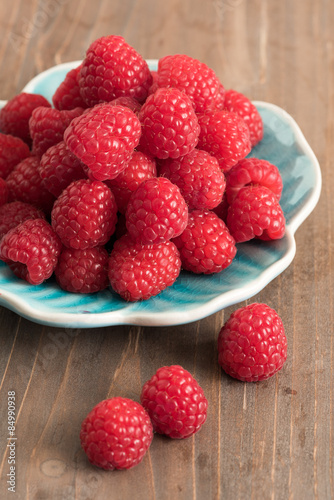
{"x": 268, "y": 440}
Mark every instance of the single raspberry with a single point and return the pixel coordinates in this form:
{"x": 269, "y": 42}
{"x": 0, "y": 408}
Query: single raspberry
{"x": 116, "y": 434}
{"x": 15, "y": 115}
{"x": 169, "y": 124}
{"x": 192, "y": 77}
{"x": 25, "y": 184}
{"x": 83, "y": 271}
{"x": 111, "y": 69}
{"x": 156, "y": 211}
{"x": 224, "y": 135}
{"x": 85, "y": 214}
{"x": 12, "y": 151}
{"x": 104, "y": 139}
{"x": 206, "y": 245}
{"x": 253, "y": 171}
{"x": 12, "y": 214}
{"x": 59, "y": 167}
{"x": 175, "y": 402}
{"x": 67, "y": 95}
{"x": 252, "y": 345}
{"x": 240, "y": 104}
{"x": 3, "y": 192}
{"x": 47, "y": 127}
{"x": 31, "y": 250}
{"x": 127, "y": 102}
{"x": 140, "y": 168}
{"x": 255, "y": 213}
{"x": 138, "y": 272}
{"x": 199, "y": 178}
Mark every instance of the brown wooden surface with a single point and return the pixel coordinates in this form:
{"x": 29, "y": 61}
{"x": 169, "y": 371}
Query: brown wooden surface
{"x": 271, "y": 440}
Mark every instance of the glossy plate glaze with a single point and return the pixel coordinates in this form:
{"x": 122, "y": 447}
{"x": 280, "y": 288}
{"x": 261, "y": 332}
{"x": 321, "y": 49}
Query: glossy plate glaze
{"x": 192, "y": 297}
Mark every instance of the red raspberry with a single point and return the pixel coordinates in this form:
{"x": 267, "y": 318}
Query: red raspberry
{"x": 31, "y": 250}
{"x": 104, "y": 139}
{"x": 175, "y": 402}
{"x": 253, "y": 171}
{"x": 225, "y": 136}
{"x": 116, "y": 434}
{"x": 83, "y": 271}
{"x": 138, "y": 272}
{"x": 169, "y": 124}
{"x": 252, "y": 344}
{"x": 12, "y": 151}
{"x": 199, "y": 178}
{"x": 192, "y": 77}
{"x": 59, "y": 167}
{"x": 3, "y": 192}
{"x": 12, "y": 214}
{"x": 156, "y": 211}
{"x": 206, "y": 245}
{"x": 67, "y": 96}
{"x": 15, "y": 115}
{"x": 85, "y": 214}
{"x": 140, "y": 168}
{"x": 240, "y": 104}
{"x": 127, "y": 102}
{"x": 47, "y": 127}
{"x": 255, "y": 213}
{"x": 111, "y": 69}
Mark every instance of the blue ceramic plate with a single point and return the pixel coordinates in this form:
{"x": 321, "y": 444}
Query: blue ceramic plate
{"x": 192, "y": 297}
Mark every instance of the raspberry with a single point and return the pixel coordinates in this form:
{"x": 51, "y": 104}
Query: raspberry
{"x": 12, "y": 214}
{"x": 224, "y": 135}
{"x": 140, "y": 168}
{"x": 3, "y": 192}
{"x": 252, "y": 345}
{"x": 156, "y": 211}
{"x": 192, "y": 77}
{"x": 127, "y": 102}
{"x": 255, "y": 213}
{"x": 169, "y": 124}
{"x": 104, "y": 139}
{"x": 111, "y": 69}
{"x": 199, "y": 178}
{"x": 31, "y": 250}
{"x": 116, "y": 434}
{"x": 240, "y": 104}
{"x": 15, "y": 115}
{"x": 85, "y": 214}
{"x": 12, "y": 151}
{"x": 206, "y": 245}
{"x": 47, "y": 127}
{"x": 138, "y": 272}
{"x": 175, "y": 402}
{"x": 67, "y": 95}
{"x": 253, "y": 171}
{"x": 83, "y": 271}
{"x": 59, "y": 167}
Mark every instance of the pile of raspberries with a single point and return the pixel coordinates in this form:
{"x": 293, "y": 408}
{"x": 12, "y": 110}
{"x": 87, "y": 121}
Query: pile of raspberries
{"x": 132, "y": 175}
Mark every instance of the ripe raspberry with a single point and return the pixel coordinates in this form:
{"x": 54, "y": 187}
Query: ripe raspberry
{"x": 252, "y": 345}
{"x": 192, "y": 77}
{"x": 199, "y": 178}
{"x": 12, "y": 214}
{"x": 111, "y": 69}
{"x": 240, "y": 104}
{"x": 156, "y": 211}
{"x": 138, "y": 272}
{"x": 59, "y": 167}
{"x": 225, "y": 136}
{"x": 253, "y": 171}
{"x": 169, "y": 124}
{"x": 116, "y": 434}
{"x": 3, "y": 192}
{"x": 255, "y": 213}
{"x": 12, "y": 151}
{"x": 47, "y": 127}
{"x": 67, "y": 96}
{"x": 31, "y": 250}
{"x": 15, "y": 115}
{"x": 206, "y": 245}
{"x": 127, "y": 102}
{"x": 85, "y": 214}
{"x": 175, "y": 402}
{"x": 140, "y": 168}
{"x": 104, "y": 139}
{"x": 83, "y": 271}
